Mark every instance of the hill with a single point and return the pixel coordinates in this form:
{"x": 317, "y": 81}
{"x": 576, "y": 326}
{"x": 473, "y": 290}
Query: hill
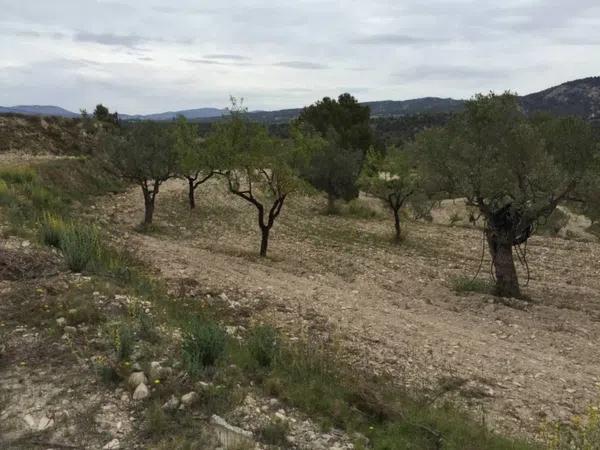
{"x": 580, "y": 98}
{"x": 38, "y": 110}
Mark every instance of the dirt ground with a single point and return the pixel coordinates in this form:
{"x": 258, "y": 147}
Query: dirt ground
{"x": 391, "y": 307}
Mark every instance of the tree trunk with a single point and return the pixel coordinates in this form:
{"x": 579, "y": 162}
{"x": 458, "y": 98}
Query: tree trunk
{"x": 264, "y": 242}
{"x": 330, "y": 203}
{"x": 149, "y": 208}
{"x": 507, "y": 282}
{"x": 191, "y": 196}
{"x": 397, "y": 223}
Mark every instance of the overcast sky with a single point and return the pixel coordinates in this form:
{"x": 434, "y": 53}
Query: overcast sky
{"x": 142, "y": 56}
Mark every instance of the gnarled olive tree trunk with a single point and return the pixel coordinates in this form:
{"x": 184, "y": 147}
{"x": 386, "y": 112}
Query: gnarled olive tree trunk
{"x": 501, "y": 250}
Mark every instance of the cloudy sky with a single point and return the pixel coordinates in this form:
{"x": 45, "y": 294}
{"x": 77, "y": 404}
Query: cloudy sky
{"x": 142, "y": 56}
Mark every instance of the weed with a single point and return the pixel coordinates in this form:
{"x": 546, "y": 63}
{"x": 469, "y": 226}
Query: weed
{"x": 465, "y": 284}
{"x": 203, "y": 344}
{"x": 122, "y": 341}
{"x": 157, "y": 422}
{"x": 263, "y": 345}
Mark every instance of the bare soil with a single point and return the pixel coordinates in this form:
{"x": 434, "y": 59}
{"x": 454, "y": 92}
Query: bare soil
{"x": 391, "y": 307}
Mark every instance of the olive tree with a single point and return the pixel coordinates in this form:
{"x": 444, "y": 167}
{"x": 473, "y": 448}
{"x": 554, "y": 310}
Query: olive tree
{"x": 195, "y": 162}
{"x": 144, "y": 154}
{"x": 513, "y": 169}
{"x": 259, "y": 168}
{"x": 390, "y": 178}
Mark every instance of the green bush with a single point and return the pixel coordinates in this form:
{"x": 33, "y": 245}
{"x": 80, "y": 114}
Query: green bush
{"x": 263, "y": 345}
{"x": 203, "y": 344}
{"x": 80, "y": 246}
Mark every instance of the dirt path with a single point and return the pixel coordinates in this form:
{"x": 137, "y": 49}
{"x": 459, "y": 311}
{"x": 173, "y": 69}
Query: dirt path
{"x": 392, "y": 306}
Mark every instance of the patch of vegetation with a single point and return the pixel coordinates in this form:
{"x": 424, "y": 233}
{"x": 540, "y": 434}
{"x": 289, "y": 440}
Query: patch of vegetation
{"x": 123, "y": 340}
{"x": 275, "y": 433}
{"x": 80, "y": 246}
{"x": 582, "y": 433}
{"x": 358, "y": 209}
{"x": 203, "y": 344}
{"x": 463, "y": 285}
{"x": 263, "y": 345}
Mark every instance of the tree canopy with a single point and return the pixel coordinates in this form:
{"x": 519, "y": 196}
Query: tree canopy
{"x": 144, "y": 154}
{"x": 391, "y": 178}
{"x": 260, "y": 168}
{"x": 345, "y": 124}
{"x": 514, "y": 169}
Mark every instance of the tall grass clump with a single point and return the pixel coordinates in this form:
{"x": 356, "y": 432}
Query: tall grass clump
{"x": 52, "y": 228}
{"x": 80, "y": 246}
{"x": 203, "y": 344}
{"x": 18, "y": 175}
{"x": 263, "y": 345}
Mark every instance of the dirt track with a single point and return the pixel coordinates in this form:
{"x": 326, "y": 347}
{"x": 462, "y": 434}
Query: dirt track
{"x": 392, "y": 306}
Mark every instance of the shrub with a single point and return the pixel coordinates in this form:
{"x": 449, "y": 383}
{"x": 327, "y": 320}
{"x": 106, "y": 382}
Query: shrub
{"x": 466, "y": 284}
{"x": 80, "y": 246}
{"x": 52, "y": 228}
{"x": 263, "y": 345}
{"x": 203, "y": 344}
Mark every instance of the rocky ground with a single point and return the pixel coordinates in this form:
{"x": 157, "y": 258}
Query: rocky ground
{"x": 391, "y": 307}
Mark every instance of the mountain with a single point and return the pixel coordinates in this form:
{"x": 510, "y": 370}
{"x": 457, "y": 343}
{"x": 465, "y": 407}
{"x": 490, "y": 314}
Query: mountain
{"x": 580, "y": 98}
{"x": 191, "y": 114}
{"x": 38, "y": 110}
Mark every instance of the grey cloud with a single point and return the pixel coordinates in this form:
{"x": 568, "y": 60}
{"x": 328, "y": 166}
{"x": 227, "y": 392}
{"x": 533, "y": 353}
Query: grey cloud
{"x": 449, "y": 72}
{"x": 227, "y": 57}
{"x": 204, "y": 61}
{"x": 301, "y": 65}
{"x": 393, "y": 39}
{"x": 110, "y": 39}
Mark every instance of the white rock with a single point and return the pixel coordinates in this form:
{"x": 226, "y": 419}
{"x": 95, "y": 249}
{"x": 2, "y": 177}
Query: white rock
{"x": 45, "y": 423}
{"x": 136, "y": 378}
{"x": 230, "y": 435}
{"x": 155, "y": 370}
{"x": 141, "y": 392}
{"x": 61, "y": 321}
{"x": 70, "y": 330}
{"x": 171, "y": 404}
{"x": 189, "y": 398}
{"x": 29, "y": 420}
{"x": 112, "y": 445}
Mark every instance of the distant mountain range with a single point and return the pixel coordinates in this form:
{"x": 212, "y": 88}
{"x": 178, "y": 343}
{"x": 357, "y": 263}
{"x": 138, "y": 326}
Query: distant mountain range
{"x": 579, "y": 97}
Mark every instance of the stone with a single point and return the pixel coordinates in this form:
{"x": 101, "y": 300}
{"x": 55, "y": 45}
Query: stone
{"x": 112, "y": 445}
{"x": 189, "y": 398}
{"x": 45, "y": 423}
{"x": 136, "y": 367}
{"x": 136, "y": 378}
{"x": 61, "y": 321}
{"x": 171, "y": 404}
{"x": 230, "y": 436}
{"x": 29, "y": 420}
{"x": 141, "y": 392}
{"x": 70, "y": 330}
